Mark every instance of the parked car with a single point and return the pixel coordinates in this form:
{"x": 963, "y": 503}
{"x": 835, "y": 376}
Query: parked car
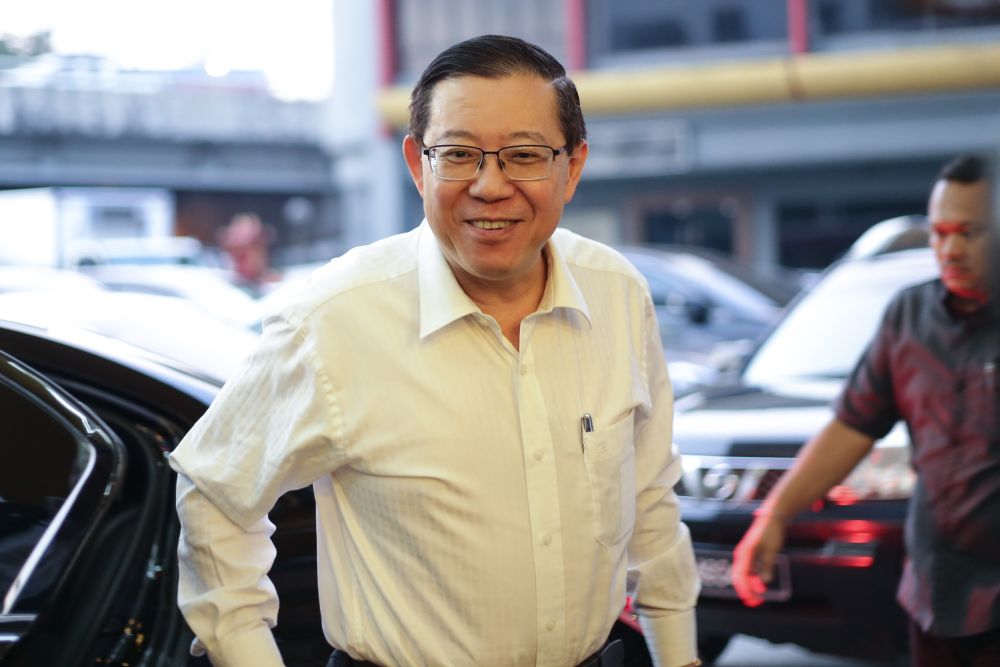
{"x": 88, "y": 531}
{"x": 703, "y": 299}
{"x": 19, "y": 278}
{"x": 179, "y": 333}
{"x": 145, "y": 250}
{"x": 211, "y": 289}
{"x": 706, "y": 304}
{"x": 836, "y": 578}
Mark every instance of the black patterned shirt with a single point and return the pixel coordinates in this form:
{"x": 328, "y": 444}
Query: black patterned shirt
{"x": 938, "y": 372}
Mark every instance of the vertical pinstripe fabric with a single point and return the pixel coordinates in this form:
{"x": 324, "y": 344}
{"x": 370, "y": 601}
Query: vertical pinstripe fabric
{"x": 464, "y": 518}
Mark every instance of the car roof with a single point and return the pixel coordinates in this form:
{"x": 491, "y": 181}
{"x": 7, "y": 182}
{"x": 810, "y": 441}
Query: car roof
{"x": 171, "y": 330}
{"x": 112, "y": 366}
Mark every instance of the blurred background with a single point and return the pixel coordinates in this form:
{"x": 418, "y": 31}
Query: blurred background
{"x": 248, "y": 142}
{"x": 170, "y": 172}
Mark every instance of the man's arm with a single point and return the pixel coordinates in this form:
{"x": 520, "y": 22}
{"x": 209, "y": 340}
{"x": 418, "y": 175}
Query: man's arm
{"x": 271, "y": 429}
{"x": 824, "y": 461}
{"x": 229, "y": 604}
{"x": 660, "y": 553}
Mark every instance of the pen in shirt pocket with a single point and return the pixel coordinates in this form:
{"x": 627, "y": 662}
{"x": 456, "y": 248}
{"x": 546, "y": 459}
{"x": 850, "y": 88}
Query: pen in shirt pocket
{"x": 990, "y": 375}
{"x": 586, "y": 426}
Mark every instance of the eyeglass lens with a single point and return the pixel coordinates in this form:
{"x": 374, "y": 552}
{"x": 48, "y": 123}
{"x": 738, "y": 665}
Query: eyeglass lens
{"x": 517, "y": 162}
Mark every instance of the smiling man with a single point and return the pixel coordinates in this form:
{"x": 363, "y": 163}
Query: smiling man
{"x": 932, "y": 364}
{"x": 481, "y": 406}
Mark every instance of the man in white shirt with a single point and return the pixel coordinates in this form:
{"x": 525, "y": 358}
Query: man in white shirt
{"x": 481, "y": 406}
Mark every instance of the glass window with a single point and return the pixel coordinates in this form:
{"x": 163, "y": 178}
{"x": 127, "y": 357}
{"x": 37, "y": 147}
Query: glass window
{"x": 56, "y": 469}
{"x": 686, "y": 223}
{"x": 729, "y": 25}
{"x": 42, "y": 462}
{"x": 811, "y": 235}
{"x": 824, "y": 335}
{"x": 643, "y": 25}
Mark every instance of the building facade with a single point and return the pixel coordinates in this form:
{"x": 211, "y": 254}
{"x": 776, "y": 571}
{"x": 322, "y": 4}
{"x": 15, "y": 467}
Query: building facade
{"x": 774, "y": 130}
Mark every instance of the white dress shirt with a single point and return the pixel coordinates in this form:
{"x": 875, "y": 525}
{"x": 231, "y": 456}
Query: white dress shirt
{"x": 464, "y": 516}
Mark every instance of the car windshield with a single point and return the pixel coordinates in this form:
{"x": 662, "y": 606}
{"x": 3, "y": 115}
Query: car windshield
{"x": 699, "y": 276}
{"x": 825, "y": 333}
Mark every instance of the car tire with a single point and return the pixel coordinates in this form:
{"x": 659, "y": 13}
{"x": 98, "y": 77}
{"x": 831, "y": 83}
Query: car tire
{"x": 710, "y": 647}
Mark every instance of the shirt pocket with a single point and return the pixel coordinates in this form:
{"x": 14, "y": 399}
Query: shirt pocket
{"x": 609, "y": 456}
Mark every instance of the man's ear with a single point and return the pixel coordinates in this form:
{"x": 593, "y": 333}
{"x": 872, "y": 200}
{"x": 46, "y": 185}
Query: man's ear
{"x": 576, "y": 161}
{"x": 413, "y": 154}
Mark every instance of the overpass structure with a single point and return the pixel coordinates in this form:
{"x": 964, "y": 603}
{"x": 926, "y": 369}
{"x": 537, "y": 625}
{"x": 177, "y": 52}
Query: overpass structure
{"x": 218, "y": 146}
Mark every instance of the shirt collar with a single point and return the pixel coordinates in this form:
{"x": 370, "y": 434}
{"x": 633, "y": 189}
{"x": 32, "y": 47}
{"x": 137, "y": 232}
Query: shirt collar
{"x": 947, "y": 300}
{"x": 561, "y": 289}
{"x": 442, "y": 300}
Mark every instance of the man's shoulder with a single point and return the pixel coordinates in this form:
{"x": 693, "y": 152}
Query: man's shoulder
{"x": 580, "y": 252}
{"x": 917, "y": 297}
{"x": 360, "y": 268}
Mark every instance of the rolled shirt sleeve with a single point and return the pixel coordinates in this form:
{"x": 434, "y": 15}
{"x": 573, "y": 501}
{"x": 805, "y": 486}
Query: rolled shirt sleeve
{"x": 267, "y": 432}
{"x": 224, "y": 593}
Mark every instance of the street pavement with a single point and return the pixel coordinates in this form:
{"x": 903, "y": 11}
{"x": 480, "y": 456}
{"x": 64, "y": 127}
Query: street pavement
{"x": 752, "y": 652}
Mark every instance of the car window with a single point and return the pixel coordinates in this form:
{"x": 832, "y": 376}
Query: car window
{"x": 825, "y": 333}
{"x": 57, "y": 465}
{"x": 684, "y": 277}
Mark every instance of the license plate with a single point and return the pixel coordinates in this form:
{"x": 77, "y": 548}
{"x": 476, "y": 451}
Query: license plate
{"x": 716, "y": 571}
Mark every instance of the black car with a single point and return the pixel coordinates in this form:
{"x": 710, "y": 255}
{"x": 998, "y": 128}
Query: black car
{"x": 836, "y": 578}
{"x": 88, "y": 530}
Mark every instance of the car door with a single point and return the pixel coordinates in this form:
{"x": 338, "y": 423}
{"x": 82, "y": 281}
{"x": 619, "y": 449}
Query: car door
{"x": 87, "y": 526}
{"x": 60, "y": 469}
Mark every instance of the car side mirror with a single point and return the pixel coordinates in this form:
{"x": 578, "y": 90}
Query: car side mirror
{"x": 697, "y": 312}
{"x": 728, "y": 357}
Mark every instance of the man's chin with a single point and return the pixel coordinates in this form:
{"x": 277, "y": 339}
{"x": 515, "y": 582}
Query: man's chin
{"x": 967, "y": 292}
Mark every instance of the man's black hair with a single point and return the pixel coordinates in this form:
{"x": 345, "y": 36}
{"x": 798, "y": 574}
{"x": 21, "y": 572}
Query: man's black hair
{"x": 495, "y": 56}
{"x": 964, "y": 169}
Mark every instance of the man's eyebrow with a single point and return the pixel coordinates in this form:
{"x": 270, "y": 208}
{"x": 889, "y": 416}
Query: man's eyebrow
{"x": 956, "y": 221}
{"x": 950, "y": 225}
{"x": 466, "y": 135}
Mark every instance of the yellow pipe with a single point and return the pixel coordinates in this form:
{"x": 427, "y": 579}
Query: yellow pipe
{"x": 813, "y": 76}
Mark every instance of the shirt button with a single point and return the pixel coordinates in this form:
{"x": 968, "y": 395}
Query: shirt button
{"x": 551, "y": 625}
{"x": 538, "y": 455}
{"x": 525, "y": 368}
{"x": 547, "y": 540}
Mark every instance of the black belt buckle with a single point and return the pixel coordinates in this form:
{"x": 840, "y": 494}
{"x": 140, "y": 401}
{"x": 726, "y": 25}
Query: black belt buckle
{"x": 611, "y": 655}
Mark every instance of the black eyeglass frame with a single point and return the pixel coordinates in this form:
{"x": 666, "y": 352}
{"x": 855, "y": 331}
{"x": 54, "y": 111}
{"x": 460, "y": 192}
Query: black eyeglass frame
{"x": 555, "y": 153}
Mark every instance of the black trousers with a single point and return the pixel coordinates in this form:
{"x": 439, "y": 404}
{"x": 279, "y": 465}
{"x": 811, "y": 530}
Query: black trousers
{"x": 611, "y": 655}
{"x": 982, "y": 650}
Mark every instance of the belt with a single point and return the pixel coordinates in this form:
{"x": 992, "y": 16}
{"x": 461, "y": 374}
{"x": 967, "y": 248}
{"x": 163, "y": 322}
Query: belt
{"x": 611, "y": 655}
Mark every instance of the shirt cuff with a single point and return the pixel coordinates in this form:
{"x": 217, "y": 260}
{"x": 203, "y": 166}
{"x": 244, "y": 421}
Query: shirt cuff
{"x": 671, "y": 637}
{"x": 255, "y": 647}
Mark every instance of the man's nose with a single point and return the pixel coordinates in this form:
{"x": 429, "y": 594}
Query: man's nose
{"x": 953, "y": 245}
{"x": 491, "y": 182}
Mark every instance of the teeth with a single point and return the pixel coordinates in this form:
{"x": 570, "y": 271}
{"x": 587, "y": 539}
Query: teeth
{"x": 492, "y": 224}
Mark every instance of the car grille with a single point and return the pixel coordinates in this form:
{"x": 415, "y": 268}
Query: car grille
{"x": 730, "y": 479}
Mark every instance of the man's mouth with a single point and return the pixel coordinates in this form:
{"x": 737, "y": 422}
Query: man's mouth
{"x": 491, "y": 224}
{"x": 954, "y": 272}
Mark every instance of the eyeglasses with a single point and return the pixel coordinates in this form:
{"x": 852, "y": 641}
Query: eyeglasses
{"x": 519, "y": 163}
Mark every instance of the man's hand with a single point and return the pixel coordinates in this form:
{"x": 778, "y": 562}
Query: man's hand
{"x": 753, "y": 559}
